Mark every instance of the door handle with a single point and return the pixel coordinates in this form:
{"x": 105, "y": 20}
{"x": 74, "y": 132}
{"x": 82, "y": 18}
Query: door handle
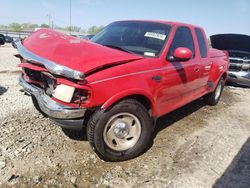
{"x": 196, "y": 69}
{"x": 157, "y": 78}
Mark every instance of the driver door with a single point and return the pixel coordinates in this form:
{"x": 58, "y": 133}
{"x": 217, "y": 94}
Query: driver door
{"x": 180, "y": 77}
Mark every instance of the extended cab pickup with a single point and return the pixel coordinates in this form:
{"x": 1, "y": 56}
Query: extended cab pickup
{"x": 120, "y": 82}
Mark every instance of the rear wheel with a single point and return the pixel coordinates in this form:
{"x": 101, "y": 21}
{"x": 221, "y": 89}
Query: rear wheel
{"x": 122, "y": 132}
{"x": 214, "y": 97}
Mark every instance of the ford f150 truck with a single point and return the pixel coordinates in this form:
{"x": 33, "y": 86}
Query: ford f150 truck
{"x": 118, "y": 83}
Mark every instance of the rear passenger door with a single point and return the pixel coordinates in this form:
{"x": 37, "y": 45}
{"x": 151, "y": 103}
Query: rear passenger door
{"x": 204, "y": 60}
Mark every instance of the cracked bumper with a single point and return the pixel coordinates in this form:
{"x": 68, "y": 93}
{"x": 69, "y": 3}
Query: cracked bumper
{"x": 49, "y": 106}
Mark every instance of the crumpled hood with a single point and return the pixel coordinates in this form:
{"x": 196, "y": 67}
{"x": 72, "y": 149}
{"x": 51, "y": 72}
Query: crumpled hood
{"x": 74, "y": 53}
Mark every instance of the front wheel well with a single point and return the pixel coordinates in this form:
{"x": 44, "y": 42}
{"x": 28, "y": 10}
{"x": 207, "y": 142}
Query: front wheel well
{"x": 224, "y": 76}
{"x": 142, "y": 99}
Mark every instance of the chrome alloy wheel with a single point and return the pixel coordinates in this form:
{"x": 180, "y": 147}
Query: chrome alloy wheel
{"x": 122, "y": 131}
{"x": 218, "y": 91}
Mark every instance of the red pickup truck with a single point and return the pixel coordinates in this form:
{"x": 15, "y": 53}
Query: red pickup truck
{"x": 118, "y": 83}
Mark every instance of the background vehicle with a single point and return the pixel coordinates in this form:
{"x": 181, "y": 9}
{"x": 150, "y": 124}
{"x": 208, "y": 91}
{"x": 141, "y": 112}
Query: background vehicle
{"x": 121, "y": 81}
{"x": 238, "y": 47}
{"x": 8, "y": 39}
{"x": 2, "y": 39}
{"x": 15, "y": 41}
{"x": 88, "y": 37}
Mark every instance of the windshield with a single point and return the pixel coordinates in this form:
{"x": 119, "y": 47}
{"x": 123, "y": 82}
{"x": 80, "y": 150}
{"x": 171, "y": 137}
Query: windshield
{"x": 142, "y": 38}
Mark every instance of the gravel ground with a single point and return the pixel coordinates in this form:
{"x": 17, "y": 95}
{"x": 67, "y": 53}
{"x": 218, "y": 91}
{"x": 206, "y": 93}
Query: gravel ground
{"x": 195, "y": 146}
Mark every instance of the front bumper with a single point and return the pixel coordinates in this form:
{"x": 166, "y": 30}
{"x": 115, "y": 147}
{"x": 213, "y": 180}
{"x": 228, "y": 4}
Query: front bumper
{"x": 241, "y": 77}
{"x": 49, "y": 106}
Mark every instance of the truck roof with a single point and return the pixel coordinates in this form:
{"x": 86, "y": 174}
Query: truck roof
{"x": 167, "y": 22}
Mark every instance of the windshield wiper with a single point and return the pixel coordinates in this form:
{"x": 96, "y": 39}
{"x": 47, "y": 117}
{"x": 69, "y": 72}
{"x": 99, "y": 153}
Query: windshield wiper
{"x": 118, "y": 48}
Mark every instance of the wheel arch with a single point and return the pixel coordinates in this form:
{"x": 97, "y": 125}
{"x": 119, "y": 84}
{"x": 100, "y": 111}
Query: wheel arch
{"x": 224, "y": 76}
{"x": 141, "y": 96}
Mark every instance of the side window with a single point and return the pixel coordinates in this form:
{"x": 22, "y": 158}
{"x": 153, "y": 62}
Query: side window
{"x": 183, "y": 38}
{"x": 201, "y": 42}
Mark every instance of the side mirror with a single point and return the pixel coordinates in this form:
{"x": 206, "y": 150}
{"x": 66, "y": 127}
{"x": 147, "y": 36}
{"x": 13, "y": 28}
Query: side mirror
{"x": 181, "y": 54}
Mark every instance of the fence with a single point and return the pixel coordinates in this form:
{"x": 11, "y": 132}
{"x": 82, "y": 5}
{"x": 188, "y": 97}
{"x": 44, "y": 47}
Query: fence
{"x": 13, "y": 34}
{"x": 23, "y": 34}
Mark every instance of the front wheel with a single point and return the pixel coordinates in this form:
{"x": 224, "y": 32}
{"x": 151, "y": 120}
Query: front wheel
{"x": 214, "y": 97}
{"x": 122, "y": 132}
{"x": 37, "y": 107}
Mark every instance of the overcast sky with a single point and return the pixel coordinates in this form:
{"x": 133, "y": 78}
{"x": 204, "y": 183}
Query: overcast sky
{"x": 216, "y": 16}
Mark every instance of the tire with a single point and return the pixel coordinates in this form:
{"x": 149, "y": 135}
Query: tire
{"x": 214, "y": 97}
{"x": 122, "y": 132}
{"x": 35, "y": 103}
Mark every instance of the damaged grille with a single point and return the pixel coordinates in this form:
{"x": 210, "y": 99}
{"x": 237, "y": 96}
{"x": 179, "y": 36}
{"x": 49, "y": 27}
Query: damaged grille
{"x": 33, "y": 75}
{"x": 42, "y": 79}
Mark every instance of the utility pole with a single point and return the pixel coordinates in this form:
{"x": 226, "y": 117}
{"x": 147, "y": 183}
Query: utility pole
{"x": 70, "y": 17}
{"x": 49, "y": 16}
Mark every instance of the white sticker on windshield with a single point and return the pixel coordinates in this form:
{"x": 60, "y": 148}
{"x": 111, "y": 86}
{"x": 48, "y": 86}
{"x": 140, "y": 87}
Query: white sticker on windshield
{"x": 149, "y": 54}
{"x": 155, "y": 35}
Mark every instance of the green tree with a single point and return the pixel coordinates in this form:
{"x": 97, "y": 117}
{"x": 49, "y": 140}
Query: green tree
{"x": 73, "y": 28}
{"x": 3, "y": 26}
{"x": 15, "y": 27}
{"x": 33, "y": 26}
{"x": 29, "y": 25}
{"x": 44, "y": 26}
{"x": 95, "y": 29}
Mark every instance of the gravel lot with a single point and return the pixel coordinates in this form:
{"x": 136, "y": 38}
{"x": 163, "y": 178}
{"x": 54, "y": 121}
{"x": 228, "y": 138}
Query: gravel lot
{"x": 195, "y": 146}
